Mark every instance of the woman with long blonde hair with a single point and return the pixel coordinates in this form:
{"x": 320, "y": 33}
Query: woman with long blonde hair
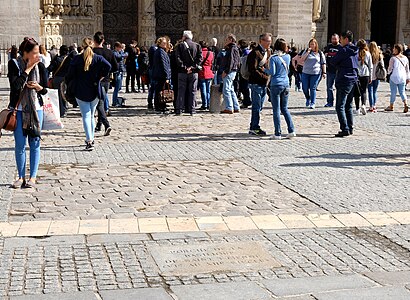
{"x": 365, "y": 70}
{"x": 378, "y": 62}
{"x": 87, "y": 70}
{"x": 314, "y": 67}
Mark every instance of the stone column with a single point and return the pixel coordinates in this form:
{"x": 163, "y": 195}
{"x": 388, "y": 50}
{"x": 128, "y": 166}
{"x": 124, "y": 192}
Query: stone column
{"x": 19, "y": 18}
{"x": 146, "y": 30}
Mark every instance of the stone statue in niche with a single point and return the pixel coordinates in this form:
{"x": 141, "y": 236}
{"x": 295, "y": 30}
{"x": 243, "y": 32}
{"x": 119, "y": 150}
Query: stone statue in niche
{"x": 317, "y": 10}
{"x": 247, "y": 9}
{"x": 215, "y": 8}
{"x": 48, "y": 29}
{"x": 226, "y": 8}
{"x": 236, "y": 8}
{"x": 368, "y": 16}
{"x": 55, "y": 30}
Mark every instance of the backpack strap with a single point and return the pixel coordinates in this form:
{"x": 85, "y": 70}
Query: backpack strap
{"x": 206, "y": 57}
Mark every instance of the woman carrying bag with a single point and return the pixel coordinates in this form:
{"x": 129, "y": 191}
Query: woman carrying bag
{"x": 28, "y": 81}
{"x": 161, "y": 72}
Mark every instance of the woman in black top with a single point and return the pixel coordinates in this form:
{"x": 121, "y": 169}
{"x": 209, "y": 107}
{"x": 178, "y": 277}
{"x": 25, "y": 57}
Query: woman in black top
{"x": 161, "y": 72}
{"x": 28, "y": 79}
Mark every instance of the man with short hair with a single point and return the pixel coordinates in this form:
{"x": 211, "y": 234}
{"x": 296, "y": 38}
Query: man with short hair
{"x": 103, "y": 104}
{"x": 230, "y": 66}
{"x": 258, "y": 80}
{"x": 189, "y": 59}
{"x": 346, "y": 64}
{"x": 330, "y": 52}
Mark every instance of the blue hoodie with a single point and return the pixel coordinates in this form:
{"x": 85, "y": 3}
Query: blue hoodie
{"x": 346, "y": 63}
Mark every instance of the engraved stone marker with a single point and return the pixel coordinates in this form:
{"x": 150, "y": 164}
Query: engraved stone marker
{"x": 212, "y": 258}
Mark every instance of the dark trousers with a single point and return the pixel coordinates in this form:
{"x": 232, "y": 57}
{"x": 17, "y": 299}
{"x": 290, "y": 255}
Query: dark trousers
{"x": 244, "y": 89}
{"x": 102, "y": 116}
{"x": 62, "y": 103}
{"x": 344, "y": 105}
{"x": 361, "y": 91}
{"x": 159, "y": 86}
{"x": 187, "y": 88}
{"x": 151, "y": 90}
{"x": 131, "y": 74}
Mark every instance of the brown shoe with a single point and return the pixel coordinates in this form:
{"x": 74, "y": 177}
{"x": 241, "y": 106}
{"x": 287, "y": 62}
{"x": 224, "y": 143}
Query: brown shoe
{"x": 406, "y": 109}
{"x": 389, "y": 108}
{"x": 227, "y": 111}
{"x": 236, "y": 111}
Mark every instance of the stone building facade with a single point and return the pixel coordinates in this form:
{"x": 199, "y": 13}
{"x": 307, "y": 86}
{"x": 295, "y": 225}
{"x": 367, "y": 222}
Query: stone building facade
{"x": 68, "y": 21}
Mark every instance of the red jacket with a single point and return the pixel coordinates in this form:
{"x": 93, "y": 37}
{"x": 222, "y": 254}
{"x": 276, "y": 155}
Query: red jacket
{"x": 207, "y": 72}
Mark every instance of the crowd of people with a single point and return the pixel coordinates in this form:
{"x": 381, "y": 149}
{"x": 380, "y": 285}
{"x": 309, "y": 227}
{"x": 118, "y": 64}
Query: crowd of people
{"x": 253, "y": 72}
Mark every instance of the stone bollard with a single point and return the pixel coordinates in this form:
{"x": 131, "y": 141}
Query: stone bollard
{"x": 217, "y": 103}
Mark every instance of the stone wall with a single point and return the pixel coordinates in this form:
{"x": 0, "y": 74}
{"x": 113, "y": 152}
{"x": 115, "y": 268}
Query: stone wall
{"x": 18, "y": 18}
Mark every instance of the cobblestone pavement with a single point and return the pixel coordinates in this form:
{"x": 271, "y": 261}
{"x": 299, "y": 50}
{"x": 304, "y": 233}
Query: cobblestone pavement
{"x": 204, "y": 167}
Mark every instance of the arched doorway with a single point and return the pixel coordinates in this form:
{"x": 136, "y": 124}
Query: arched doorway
{"x": 171, "y": 18}
{"x": 384, "y": 21}
{"x": 120, "y": 20}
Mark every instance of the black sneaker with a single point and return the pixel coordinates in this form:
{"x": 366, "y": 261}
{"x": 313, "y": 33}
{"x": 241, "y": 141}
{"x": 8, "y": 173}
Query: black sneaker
{"x": 150, "y": 107}
{"x": 258, "y": 132}
{"x": 107, "y": 131}
{"x": 97, "y": 128}
{"x": 89, "y": 146}
{"x": 342, "y": 134}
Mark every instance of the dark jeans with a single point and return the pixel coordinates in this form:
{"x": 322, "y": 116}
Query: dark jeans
{"x": 244, "y": 89}
{"x": 344, "y": 105}
{"x": 102, "y": 116}
{"x": 330, "y": 82}
{"x": 151, "y": 90}
{"x": 159, "y": 86}
{"x": 131, "y": 74}
{"x": 258, "y": 98}
{"x": 62, "y": 103}
{"x": 361, "y": 91}
{"x": 138, "y": 78}
{"x": 187, "y": 85}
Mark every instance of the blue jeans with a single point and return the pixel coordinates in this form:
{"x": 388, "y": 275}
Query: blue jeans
{"x": 344, "y": 105}
{"x": 87, "y": 113}
{"x": 279, "y": 96}
{"x": 393, "y": 91}
{"x": 20, "y": 147}
{"x": 229, "y": 92}
{"x": 258, "y": 95}
{"x": 372, "y": 88}
{"x": 205, "y": 87}
{"x": 118, "y": 85}
{"x": 330, "y": 82}
{"x": 309, "y": 85}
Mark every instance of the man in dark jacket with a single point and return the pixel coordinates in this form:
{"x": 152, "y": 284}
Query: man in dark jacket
{"x": 346, "y": 64}
{"x": 189, "y": 59}
{"x": 331, "y": 51}
{"x": 258, "y": 59}
{"x": 103, "y": 105}
{"x": 230, "y": 66}
{"x": 59, "y": 68}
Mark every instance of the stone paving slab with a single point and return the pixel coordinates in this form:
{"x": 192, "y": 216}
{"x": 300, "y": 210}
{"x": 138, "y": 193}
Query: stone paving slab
{"x": 391, "y": 278}
{"x": 60, "y": 296}
{"x": 226, "y": 291}
{"x": 140, "y": 294}
{"x": 294, "y": 287}
{"x": 384, "y": 293}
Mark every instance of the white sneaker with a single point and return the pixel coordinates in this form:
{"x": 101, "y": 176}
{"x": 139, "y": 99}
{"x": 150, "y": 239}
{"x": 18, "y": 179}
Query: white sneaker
{"x": 312, "y": 106}
{"x": 291, "y": 135}
{"x": 363, "y": 110}
{"x": 356, "y": 112}
{"x": 276, "y": 137}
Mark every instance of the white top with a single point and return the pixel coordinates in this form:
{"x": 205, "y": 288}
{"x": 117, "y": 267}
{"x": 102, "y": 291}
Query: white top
{"x": 366, "y": 67}
{"x": 399, "y": 69}
{"x": 45, "y": 59}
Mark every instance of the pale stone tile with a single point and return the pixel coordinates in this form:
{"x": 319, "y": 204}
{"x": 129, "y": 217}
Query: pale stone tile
{"x": 402, "y": 217}
{"x": 124, "y": 226}
{"x": 93, "y": 226}
{"x": 211, "y": 224}
{"x": 64, "y": 227}
{"x": 296, "y": 221}
{"x": 324, "y": 220}
{"x": 239, "y": 223}
{"x": 34, "y": 228}
{"x": 9, "y": 229}
{"x": 151, "y": 225}
{"x": 182, "y": 224}
{"x": 268, "y": 222}
{"x": 352, "y": 220}
{"x": 378, "y": 218}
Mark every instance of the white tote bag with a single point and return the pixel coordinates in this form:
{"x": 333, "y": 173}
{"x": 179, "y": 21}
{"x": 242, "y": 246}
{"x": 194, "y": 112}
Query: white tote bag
{"x": 51, "y": 110}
